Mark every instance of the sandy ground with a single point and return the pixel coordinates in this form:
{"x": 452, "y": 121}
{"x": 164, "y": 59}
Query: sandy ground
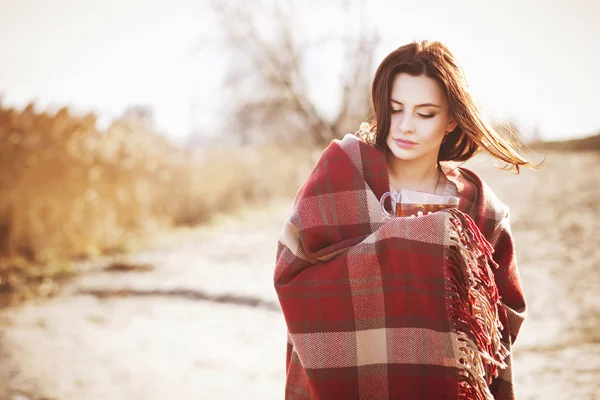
{"x": 204, "y": 324}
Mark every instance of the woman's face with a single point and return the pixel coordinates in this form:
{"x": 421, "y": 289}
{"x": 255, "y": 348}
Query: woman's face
{"x": 420, "y": 118}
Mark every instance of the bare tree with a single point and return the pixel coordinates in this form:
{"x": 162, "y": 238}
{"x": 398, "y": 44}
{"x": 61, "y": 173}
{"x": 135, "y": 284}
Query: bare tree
{"x": 269, "y": 88}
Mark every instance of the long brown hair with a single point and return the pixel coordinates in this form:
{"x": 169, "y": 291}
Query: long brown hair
{"x": 473, "y": 132}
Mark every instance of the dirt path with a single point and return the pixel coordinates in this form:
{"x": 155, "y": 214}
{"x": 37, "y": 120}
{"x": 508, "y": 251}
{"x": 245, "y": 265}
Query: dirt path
{"x": 203, "y": 323}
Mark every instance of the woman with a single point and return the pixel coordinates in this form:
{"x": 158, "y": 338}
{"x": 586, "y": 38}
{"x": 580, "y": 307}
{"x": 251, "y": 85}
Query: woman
{"x": 403, "y": 308}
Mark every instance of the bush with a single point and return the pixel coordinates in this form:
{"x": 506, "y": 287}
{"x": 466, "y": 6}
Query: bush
{"x": 68, "y": 190}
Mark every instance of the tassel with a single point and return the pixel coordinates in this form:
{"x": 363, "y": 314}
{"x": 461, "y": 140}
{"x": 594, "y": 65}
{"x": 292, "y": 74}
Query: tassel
{"x": 473, "y": 307}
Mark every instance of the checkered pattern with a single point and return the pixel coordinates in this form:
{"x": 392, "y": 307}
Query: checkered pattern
{"x": 368, "y": 300}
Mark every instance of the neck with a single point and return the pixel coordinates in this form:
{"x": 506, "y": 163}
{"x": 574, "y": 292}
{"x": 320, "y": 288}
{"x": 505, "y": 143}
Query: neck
{"x": 417, "y": 174}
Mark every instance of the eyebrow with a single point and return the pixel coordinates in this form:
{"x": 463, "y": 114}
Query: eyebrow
{"x": 418, "y": 105}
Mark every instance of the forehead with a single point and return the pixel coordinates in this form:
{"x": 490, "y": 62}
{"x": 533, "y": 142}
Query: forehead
{"x": 422, "y": 89}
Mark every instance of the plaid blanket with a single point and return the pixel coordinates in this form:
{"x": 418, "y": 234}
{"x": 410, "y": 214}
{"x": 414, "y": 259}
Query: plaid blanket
{"x": 404, "y": 308}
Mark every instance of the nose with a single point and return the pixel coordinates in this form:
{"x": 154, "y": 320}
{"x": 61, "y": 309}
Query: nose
{"x": 406, "y": 125}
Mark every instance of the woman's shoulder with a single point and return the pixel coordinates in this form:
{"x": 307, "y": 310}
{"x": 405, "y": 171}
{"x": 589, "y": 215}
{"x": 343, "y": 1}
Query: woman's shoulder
{"x": 353, "y": 144}
{"x": 477, "y": 198}
{"x": 349, "y": 146}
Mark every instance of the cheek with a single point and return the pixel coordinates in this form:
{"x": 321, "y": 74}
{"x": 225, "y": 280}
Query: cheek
{"x": 433, "y": 133}
{"x": 434, "y": 127}
{"x": 395, "y": 119}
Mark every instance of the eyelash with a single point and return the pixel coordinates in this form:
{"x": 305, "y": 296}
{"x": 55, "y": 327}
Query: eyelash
{"x": 426, "y": 116}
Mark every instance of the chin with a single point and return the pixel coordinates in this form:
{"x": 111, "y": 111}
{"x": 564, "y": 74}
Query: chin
{"x": 404, "y": 154}
{"x": 405, "y": 157}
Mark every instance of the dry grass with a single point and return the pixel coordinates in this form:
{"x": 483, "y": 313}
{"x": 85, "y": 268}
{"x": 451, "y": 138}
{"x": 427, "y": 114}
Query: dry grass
{"x": 591, "y": 143}
{"x": 21, "y": 280}
{"x": 68, "y": 190}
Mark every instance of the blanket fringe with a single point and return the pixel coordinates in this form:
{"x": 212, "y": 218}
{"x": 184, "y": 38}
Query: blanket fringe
{"x": 473, "y": 308}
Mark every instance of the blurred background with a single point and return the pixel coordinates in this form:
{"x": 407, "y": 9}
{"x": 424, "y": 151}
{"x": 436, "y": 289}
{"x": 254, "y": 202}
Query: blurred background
{"x": 150, "y": 152}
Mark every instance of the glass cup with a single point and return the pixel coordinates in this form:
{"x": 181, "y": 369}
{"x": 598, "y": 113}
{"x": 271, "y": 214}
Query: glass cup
{"x": 409, "y": 203}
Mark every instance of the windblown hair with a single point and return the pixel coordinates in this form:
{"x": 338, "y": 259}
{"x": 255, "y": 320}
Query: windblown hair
{"x": 473, "y": 132}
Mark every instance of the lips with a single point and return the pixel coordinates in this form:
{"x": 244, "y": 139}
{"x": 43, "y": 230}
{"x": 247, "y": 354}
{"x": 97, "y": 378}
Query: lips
{"x": 405, "y": 143}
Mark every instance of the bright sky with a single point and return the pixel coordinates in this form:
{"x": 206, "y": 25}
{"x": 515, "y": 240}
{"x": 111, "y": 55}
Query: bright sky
{"x": 532, "y": 61}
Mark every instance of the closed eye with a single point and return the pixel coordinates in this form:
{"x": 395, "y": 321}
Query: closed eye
{"x": 426, "y": 115}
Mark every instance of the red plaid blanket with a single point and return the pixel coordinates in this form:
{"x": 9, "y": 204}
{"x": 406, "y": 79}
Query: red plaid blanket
{"x": 404, "y": 308}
